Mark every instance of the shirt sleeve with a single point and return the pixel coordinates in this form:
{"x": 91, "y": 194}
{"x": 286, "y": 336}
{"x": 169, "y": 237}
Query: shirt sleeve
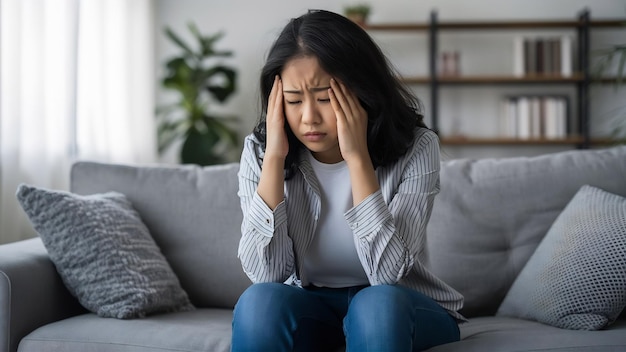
{"x": 265, "y": 249}
{"x": 389, "y": 237}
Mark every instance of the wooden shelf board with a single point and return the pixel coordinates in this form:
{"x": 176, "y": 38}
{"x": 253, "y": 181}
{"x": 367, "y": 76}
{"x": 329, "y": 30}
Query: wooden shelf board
{"x": 397, "y": 27}
{"x": 604, "y": 141}
{"x": 508, "y": 25}
{"x": 509, "y": 141}
{"x": 609, "y": 23}
{"x": 528, "y": 24}
{"x": 452, "y": 25}
{"x": 510, "y": 79}
{"x": 416, "y": 80}
{"x": 575, "y": 78}
{"x": 494, "y": 79}
{"x": 607, "y": 80}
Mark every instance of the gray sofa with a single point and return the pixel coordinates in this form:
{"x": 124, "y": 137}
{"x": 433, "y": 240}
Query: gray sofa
{"x": 488, "y": 219}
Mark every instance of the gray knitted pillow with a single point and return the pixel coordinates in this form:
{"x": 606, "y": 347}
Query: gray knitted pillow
{"x": 576, "y": 279}
{"x": 103, "y": 252}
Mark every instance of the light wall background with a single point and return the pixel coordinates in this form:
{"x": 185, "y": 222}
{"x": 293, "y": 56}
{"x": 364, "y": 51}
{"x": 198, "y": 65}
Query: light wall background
{"x": 251, "y": 26}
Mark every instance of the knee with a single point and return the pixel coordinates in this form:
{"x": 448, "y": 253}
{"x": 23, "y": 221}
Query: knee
{"x": 379, "y": 318}
{"x": 257, "y": 317}
{"x": 259, "y": 303}
{"x": 257, "y": 297}
{"x": 378, "y": 304}
{"x": 378, "y": 299}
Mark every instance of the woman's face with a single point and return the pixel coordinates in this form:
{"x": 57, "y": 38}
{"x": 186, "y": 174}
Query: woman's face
{"x": 308, "y": 110}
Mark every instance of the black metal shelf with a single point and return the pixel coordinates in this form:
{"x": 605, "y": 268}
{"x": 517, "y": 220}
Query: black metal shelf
{"x": 581, "y": 79}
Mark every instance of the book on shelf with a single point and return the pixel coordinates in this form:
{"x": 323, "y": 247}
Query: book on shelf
{"x": 535, "y": 117}
{"x": 545, "y": 55}
{"x": 566, "y": 56}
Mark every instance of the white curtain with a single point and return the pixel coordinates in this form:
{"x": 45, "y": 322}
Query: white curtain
{"x": 77, "y": 82}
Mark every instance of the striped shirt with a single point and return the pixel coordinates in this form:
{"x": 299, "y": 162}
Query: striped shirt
{"x": 389, "y": 226}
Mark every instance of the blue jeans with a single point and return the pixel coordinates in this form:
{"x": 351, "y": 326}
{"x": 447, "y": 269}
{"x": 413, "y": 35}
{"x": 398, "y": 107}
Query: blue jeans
{"x": 278, "y": 317}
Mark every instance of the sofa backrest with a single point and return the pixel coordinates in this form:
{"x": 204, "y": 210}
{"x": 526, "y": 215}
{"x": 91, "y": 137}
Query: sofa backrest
{"x": 492, "y": 213}
{"x": 193, "y": 214}
{"x": 488, "y": 219}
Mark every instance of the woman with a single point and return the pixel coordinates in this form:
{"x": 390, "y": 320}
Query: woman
{"x": 337, "y": 184}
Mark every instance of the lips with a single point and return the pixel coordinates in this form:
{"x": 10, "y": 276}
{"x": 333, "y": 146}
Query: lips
{"x": 314, "y": 136}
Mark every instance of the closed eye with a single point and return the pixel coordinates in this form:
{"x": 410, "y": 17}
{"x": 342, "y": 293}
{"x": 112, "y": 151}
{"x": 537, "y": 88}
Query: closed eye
{"x": 295, "y": 102}
{"x": 324, "y": 100}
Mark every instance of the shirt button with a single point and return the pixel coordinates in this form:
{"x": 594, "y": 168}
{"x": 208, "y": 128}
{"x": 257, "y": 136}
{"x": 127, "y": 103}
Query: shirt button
{"x": 267, "y": 220}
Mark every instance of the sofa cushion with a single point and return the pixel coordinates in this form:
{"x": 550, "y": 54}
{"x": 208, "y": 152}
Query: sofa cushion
{"x": 210, "y": 330}
{"x": 103, "y": 252}
{"x": 576, "y": 279}
{"x": 193, "y": 331}
{"x": 492, "y": 213}
{"x": 502, "y": 334}
{"x": 193, "y": 214}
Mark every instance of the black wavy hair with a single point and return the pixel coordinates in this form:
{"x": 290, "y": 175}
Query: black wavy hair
{"x": 345, "y": 51}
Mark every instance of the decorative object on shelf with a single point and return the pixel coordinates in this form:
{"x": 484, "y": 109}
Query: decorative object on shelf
{"x": 207, "y": 138}
{"x": 358, "y": 13}
{"x": 450, "y": 63}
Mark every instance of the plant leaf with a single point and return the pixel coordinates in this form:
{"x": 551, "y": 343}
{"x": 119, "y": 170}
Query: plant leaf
{"x": 194, "y": 30}
{"x": 223, "y": 91}
{"x": 620, "y": 66}
{"x": 208, "y": 42}
{"x": 178, "y": 73}
{"x": 226, "y": 133}
{"x": 168, "y": 132}
{"x": 176, "y": 39}
{"x": 198, "y": 147}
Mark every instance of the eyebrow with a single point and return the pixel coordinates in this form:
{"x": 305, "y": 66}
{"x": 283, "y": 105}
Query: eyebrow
{"x": 314, "y": 90}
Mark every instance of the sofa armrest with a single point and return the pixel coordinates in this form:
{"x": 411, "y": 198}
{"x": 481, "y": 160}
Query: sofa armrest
{"x": 31, "y": 292}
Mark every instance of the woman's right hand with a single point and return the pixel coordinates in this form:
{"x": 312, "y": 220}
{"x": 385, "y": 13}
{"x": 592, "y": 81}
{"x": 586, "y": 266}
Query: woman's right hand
{"x": 277, "y": 144}
{"x": 271, "y": 182}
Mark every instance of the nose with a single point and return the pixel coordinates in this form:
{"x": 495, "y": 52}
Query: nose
{"x": 310, "y": 113}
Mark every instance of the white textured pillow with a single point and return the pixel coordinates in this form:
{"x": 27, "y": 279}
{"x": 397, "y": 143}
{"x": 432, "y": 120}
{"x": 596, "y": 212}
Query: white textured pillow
{"x": 576, "y": 279}
{"x": 103, "y": 252}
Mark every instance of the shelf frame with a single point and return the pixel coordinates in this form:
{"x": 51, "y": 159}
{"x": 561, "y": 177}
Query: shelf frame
{"x": 432, "y": 65}
{"x": 583, "y": 86}
{"x": 581, "y": 79}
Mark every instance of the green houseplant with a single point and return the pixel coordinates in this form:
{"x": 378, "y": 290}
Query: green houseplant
{"x": 358, "y": 13}
{"x": 201, "y": 80}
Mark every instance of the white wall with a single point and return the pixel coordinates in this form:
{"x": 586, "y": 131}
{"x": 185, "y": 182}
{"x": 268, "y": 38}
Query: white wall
{"x": 251, "y": 26}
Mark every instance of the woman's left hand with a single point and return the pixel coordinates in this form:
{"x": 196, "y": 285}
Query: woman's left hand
{"x": 352, "y": 134}
{"x": 351, "y": 122}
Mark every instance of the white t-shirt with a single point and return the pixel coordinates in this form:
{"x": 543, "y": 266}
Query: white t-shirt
{"x": 332, "y": 260}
